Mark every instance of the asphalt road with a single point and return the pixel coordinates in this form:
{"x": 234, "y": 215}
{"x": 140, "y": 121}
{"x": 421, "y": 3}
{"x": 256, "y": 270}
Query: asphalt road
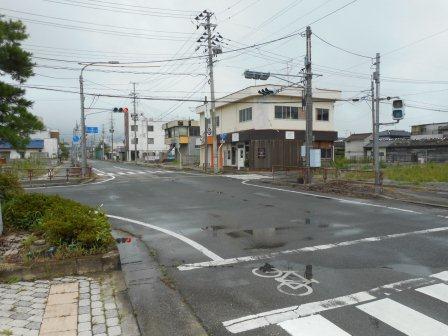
{"x": 336, "y": 266}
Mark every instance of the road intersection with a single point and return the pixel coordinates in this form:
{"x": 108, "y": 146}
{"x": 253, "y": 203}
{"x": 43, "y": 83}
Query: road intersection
{"x": 374, "y": 267}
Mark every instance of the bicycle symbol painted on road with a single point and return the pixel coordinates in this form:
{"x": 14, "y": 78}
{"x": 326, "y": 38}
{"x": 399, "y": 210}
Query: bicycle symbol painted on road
{"x": 290, "y": 282}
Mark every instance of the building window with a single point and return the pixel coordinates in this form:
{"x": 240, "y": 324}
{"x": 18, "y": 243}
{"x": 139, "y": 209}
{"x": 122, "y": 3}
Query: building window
{"x": 245, "y": 114}
{"x": 150, "y": 141}
{"x": 286, "y": 112}
{"x": 134, "y": 128}
{"x": 150, "y": 128}
{"x": 217, "y": 120}
{"x": 326, "y": 153}
{"x": 322, "y": 114}
{"x": 134, "y": 141}
{"x": 194, "y": 131}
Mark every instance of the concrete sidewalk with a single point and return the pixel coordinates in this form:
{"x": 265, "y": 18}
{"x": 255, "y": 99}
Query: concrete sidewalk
{"x": 78, "y": 306}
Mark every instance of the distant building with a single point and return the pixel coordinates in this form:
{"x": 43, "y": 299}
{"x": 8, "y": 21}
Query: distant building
{"x": 412, "y": 150}
{"x": 183, "y": 138}
{"x": 43, "y": 144}
{"x": 34, "y": 149}
{"x": 355, "y": 144}
{"x": 258, "y": 132}
{"x": 149, "y": 137}
{"x": 429, "y": 131}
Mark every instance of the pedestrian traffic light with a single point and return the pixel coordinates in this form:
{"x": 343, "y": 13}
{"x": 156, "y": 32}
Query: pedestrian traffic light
{"x": 120, "y": 109}
{"x": 397, "y": 109}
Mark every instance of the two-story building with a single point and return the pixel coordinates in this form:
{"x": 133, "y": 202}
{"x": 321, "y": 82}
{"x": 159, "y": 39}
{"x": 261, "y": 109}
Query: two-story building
{"x": 257, "y": 132}
{"x": 183, "y": 139}
{"x": 429, "y": 131}
{"x": 149, "y": 137}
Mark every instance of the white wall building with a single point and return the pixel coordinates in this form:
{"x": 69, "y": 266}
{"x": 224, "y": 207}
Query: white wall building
{"x": 429, "y": 131}
{"x": 259, "y": 131}
{"x": 149, "y": 136}
{"x": 354, "y": 145}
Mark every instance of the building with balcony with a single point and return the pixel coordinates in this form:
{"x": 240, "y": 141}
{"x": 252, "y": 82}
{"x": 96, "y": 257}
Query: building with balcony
{"x": 183, "y": 139}
{"x": 258, "y": 132}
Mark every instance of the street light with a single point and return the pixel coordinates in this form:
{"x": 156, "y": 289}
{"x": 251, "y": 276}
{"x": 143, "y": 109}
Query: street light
{"x": 83, "y": 120}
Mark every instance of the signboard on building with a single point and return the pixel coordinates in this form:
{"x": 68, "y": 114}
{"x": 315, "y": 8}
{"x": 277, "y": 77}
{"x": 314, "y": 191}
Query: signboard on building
{"x": 289, "y": 135}
{"x": 91, "y": 129}
{"x": 223, "y": 137}
{"x": 235, "y": 137}
{"x": 261, "y": 153}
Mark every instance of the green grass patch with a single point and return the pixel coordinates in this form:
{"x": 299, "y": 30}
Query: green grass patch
{"x": 430, "y": 172}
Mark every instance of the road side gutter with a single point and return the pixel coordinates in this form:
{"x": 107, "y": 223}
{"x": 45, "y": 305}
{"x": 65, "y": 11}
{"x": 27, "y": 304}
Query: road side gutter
{"x": 158, "y": 306}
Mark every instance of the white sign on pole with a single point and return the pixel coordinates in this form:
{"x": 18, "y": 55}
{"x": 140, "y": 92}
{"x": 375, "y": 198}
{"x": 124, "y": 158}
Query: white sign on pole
{"x": 303, "y": 151}
{"x": 235, "y": 137}
{"x": 289, "y": 135}
{"x": 315, "y": 158}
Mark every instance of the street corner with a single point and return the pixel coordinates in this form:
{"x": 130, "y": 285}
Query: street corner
{"x": 72, "y": 305}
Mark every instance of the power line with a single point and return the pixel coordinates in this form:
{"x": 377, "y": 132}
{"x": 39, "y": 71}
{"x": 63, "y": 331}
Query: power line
{"x": 94, "y": 23}
{"x": 118, "y": 9}
{"x": 101, "y": 31}
{"x": 144, "y": 7}
{"x": 342, "y": 49}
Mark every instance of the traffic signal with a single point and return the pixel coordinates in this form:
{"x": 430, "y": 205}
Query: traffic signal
{"x": 265, "y": 92}
{"x": 397, "y": 109}
{"x": 120, "y": 110}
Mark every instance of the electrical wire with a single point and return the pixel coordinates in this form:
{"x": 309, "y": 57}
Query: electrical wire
{"x": 342, "y": 49}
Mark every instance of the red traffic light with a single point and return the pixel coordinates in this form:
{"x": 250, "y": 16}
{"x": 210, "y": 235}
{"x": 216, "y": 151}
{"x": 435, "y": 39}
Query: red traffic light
{"x": 121, "y": 109}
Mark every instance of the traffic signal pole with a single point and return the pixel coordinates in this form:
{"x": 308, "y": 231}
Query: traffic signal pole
{"x": 135, "y": 117}
{"x": 376, "y": 154}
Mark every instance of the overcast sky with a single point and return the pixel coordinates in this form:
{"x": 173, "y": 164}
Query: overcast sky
{"x": 411, "y": 35}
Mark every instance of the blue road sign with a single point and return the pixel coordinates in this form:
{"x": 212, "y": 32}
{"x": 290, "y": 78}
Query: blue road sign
{"x": 75, "y": 138}
{"x": 91, "y": 129}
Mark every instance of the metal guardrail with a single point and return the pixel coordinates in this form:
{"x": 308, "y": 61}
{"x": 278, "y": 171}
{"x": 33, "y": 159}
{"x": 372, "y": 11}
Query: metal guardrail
{"x": 326, "y": 172}
{"x": 47, "y": 174}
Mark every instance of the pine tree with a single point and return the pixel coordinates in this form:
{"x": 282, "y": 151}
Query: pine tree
{"x": 16, "y": 122}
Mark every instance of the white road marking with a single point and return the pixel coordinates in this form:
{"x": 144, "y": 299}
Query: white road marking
{"x": 442, "y": 276}
{"x": 438, "y": 291}
{"x": 130, "y": 173}
{"x": 314, "y": 325}
{"x": 100, "y": 171}
{"x": 406, "y": 320}
{"x": 246, "y": 177}
{"x": 186, "y": 240}
{"x": 231, "y": 261}
{"x": 121, "y": 173}
{"x": 256, "y": 321}
{"x": 333, "y": 198}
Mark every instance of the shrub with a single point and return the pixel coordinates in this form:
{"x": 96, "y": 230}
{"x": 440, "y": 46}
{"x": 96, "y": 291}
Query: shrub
{"x": 71, "y": 223}
{"x": 9, "y": 186}
{"x": 24, "y": 211}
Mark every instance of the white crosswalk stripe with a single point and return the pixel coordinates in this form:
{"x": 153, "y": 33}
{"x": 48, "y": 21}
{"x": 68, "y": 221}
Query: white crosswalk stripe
{"x": 313, "y": 325}
{"x": 438, "y": 291}
{"x": 442, "y": 276}
{"x": 406, "y": 320}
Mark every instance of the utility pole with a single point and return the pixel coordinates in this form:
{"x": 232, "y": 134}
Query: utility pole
{"x": 134, "y": 116}
{"x": 376, "y": 154}
{"x": 212, "y": 93}
{"x": 206, "y": 135}
{"x": 83, "y": 128}
{"x": 309, "y": 108}
{"x": 111, "y": 130}
{"x": 102, "y": 142}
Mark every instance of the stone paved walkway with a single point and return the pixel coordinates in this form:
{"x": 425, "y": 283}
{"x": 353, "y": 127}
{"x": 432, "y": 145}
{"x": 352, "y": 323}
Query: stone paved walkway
{"x": 66, "y": 306}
